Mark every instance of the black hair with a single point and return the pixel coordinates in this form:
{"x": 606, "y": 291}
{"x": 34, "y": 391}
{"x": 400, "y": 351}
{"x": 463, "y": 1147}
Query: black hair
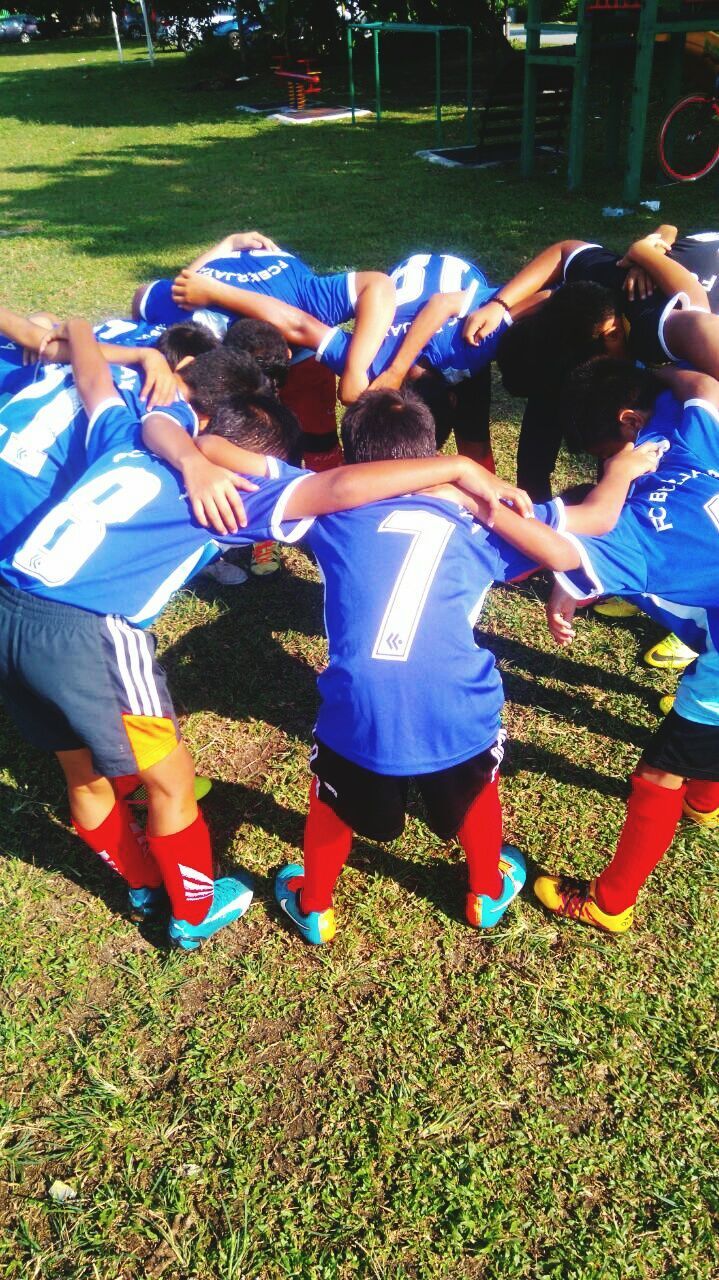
{"x": 388, "y": 424}
{"x": 263, "y": 341}
{"x": 440, "y": 398}
{"x": 218, "y": 375}
{"x": 185, "y": 339}
{"x": 537, "y": 352}
{"x": 594, "y": 395}
{"x": 261, "y": 423}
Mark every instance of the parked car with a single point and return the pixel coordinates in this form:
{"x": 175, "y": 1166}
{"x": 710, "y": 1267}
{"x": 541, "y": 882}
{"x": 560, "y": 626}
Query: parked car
{"x": 19, "y": 26}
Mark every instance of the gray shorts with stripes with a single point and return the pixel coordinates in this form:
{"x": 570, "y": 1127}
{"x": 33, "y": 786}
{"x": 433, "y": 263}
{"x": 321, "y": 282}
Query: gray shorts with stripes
{"x": 71, "y": 679}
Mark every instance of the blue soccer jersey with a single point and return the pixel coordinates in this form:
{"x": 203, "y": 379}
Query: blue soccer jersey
{"x": 331, "y": 299}
{"x": 416, "y": 280}
{"x": 47, "y": 440}
{"x": 129, "y": 333}
{"x": 123, "y": 538}
{"x": 408, "y": 690}
{"x": 665, "y": 548}
{"x": 666, "y": 541}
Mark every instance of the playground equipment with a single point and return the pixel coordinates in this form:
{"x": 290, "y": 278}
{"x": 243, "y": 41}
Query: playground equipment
{"x": 638, "y": 24}
{"x": 410, "y": 28}
{"x": 301, "y": 83}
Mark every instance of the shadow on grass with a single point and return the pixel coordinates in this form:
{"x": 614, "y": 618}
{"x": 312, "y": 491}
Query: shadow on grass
{"x": 121, "y": 193}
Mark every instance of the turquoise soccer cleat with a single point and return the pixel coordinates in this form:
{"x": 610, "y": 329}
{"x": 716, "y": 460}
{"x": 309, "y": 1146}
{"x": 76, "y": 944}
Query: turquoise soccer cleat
{"x": 483, "y": 912}
{"x": 232, "y": 897}
{"x": 145, "y": 903}
{"x": 316, "y": 927}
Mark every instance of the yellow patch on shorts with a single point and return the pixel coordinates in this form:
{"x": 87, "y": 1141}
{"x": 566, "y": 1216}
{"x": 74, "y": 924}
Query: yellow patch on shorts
{"x": 151, "y": 738}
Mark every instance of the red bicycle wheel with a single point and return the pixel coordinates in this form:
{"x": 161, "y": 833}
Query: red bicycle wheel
{"x": 689, "y": 138}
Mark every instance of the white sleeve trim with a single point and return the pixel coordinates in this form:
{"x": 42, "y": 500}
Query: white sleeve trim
{"x": 587, "y": 566}
{"x": 469, "y": 293}
{"x": 143, "y": 299}
{"x": 277, "y": 517}
{"x": 680, "y": 302}
{"x": 561, "y": 515}
{"x": 325, "y": 343}
{"x": 705, "y": 405}
{"x": 582, "y": 249}
{"x": 101, "y": 408}
{"x": 352, "y": 288}
{"x": 163, "y": 413}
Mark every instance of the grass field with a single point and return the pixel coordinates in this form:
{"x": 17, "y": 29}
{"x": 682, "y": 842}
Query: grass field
{"x": 417, "y": 1100}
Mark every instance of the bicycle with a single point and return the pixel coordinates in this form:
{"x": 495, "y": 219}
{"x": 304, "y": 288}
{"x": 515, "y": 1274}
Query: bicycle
{"x": 689, "y": 137}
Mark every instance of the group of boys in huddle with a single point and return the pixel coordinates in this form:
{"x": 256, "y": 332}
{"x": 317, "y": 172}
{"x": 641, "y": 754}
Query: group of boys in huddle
{"x": 134, "y": 455}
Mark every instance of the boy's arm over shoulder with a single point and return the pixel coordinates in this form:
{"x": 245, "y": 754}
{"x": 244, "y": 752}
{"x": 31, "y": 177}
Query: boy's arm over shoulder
{"x": 600, "y": 510}
{"x": 689, "y": 384}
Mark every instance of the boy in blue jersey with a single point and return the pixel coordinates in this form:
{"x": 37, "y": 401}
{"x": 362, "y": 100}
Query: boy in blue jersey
{"x": 226, "y": 279}
{"x": 662, "y": 554}
{"x": 404, "y": 586}
{"x": 77, "y": 669}
{"x": 425, "y": 284}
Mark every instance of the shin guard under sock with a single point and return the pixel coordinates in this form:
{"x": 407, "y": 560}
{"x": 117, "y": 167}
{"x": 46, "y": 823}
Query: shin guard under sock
{"x": 480, "y": 835}
{"x": 122, "y": 845}
{"x": 702, "y": 795}
{"x": 327, "y": 845}
{"x": 653, "y": 813}
{"x": 185, "y": 860}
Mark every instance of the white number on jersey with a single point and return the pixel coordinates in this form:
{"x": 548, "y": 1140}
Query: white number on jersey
{"x": 75, "y": 528}
{"x": 26, "y": 450}
{"x": 430, "y": 534}
{"x": 712, "y": 509}
{"x": 409, "y": 279}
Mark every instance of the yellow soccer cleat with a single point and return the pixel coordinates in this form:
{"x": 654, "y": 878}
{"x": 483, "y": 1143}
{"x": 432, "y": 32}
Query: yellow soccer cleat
{"x": 710, "y": 819}
{"x": 666, "y": 703}
{"x": 669, "y": 654}
{"x": 266, "y": 560}
{"x": 574, "y": 899}
{"x": 616, "y": 608}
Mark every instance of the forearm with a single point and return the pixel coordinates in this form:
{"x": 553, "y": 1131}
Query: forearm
{"x": 93, "y": 379}
{"x": 162, "y": 436}
{"x": 299, "y": 328}
{"x": 355, "y": 486}
{"x": 21, "y": 330}
{"x": 440, "y": 308}
{"x": 544, "y": 270}
{"x": 688, "y": 384}
{"x": 374, "y": 313}
{"x": 225, "y": 454}
{"x": 218, "y": 250}
{"x": 601, "y": 508}
{"x": 669, "y": 276}
{"x": 536, "y": 540}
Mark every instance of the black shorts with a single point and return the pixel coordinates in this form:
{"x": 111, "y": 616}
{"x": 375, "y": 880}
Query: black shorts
{"x": 685, "y": 747}
{"x": 72, "y": 679}
{"x": 472, "y": 410}
{"x": 374, "y": 804}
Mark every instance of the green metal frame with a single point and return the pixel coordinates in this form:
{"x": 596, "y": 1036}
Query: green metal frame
{"x": 410, "y": 28}
{"x": 650, "y": 26}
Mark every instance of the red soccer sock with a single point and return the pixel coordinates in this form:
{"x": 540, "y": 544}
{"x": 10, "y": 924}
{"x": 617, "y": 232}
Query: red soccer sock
{"x": 653, "y": 813}
{"x": 122, "y": 786}
{"x": 480, "y": 835}
{"x": 185, "y": 859}
{"x": 122, "y": 845}
{"x": 327, "y": 845}
{"x": 702, "y": 795}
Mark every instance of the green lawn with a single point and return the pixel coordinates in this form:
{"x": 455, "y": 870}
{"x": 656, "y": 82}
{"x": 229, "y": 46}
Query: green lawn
{"x": 417, "y": 1100}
